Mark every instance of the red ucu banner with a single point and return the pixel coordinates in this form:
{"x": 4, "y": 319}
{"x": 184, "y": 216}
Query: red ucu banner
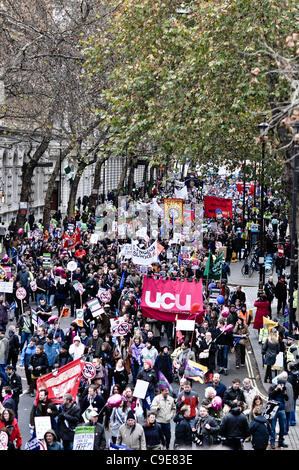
{"x": 168, "y": 300}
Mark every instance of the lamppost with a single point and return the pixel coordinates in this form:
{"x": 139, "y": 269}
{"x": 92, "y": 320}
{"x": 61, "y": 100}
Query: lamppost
{"x": 263, "y": 127}
{"x": 293, "y": 231}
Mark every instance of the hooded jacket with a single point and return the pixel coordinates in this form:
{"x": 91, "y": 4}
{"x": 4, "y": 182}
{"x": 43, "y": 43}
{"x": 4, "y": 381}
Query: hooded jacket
{"x": 260, "y": 431}
{"x": 183, "y": 432}
{"x": 56, "y": 445}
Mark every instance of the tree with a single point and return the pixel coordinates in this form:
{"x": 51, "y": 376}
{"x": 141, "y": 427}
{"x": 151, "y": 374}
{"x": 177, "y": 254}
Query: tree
{"x": 46, "y": 93}
{"x": 195, "y": 84}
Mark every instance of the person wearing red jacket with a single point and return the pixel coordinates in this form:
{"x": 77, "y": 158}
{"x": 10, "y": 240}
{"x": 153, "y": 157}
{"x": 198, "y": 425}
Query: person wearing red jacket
{"x": 190, "y": 398}
{"x": 80, "y": 253}
{"x": 263, "y": 310}
{"x": 10, "y": 423}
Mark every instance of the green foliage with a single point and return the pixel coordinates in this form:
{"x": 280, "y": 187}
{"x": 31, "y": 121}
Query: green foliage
{"x": 197, "y": 84}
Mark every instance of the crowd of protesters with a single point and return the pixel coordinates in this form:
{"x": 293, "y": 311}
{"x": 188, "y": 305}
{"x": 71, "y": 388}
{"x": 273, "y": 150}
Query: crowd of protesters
{"x": 150, "y": 345}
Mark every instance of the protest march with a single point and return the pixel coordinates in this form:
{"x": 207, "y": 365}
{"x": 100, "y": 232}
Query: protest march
{"x": 119, "y": 325}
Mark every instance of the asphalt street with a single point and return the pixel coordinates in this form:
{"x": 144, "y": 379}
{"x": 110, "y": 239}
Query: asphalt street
{"x": 252, "y": 369}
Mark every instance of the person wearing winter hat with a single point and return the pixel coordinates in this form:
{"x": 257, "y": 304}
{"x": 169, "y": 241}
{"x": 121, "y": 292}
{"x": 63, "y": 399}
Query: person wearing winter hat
{"x": 148, "y": 375}
{"x": 131, "y": 434}
{"x": 77, "y": 348}
{"x": 63, "y": 357}
{"x": 51, "y": 441}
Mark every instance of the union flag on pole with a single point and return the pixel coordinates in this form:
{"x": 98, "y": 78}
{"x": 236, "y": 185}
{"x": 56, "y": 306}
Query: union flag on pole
{"x": 64, "y": 380}
{"x": 70, "y": 242}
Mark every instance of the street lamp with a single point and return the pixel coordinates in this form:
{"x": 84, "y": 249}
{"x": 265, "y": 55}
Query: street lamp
{"x": 263, "y": 127}
{"x": 293, "y": 234}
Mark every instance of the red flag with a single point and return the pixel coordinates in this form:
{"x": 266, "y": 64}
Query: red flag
{"x": 170, "y": 300}
{"x": 67, "y": 380}
{"x": 71, "y": 242}
{"x": 214, "y": 204}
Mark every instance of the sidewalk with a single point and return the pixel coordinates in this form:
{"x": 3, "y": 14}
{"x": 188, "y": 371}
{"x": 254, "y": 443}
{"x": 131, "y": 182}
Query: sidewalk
{"x": 254, "y": 361}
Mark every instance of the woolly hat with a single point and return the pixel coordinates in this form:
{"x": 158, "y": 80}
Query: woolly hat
{"x": 130, "y": 415}
{"x": 148, "y": 363}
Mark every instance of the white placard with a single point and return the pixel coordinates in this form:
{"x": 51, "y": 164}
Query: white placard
{"x": 72, "y": 266}
{"x": 140, "y": 389}
{"x": 279, "y": 361}
{"x": 185, "y": 325}
{"x": 84, "y": 438}
{"x": 94, "y": 239}
{"x": 6, "y": 287}
{"x": 42, "y": 425}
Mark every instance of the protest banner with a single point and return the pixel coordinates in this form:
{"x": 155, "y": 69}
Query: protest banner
{"x": 94, "y": 239}
{"x": 42, "y": 425}
{"x": 72, "y": 266}
{"x": 95, "y": 307}
{"x": 212, "y": 203}
{"x": 3, "y": 273}
{"x": 105, "y": 296}
{"x": 185, "y": 325}
{"x": 119, "y": 327}
{"x": 67, "y": 380}
{"x": 71, "y": 242}
{"x": 79, "y": 317}
{"x": 3, "y": 440}
{"x": 140, "y": 389}
{"x": 84, "y": 438}
{"x": 46, "y": 260}
{"x": 168, "y": 300}
{"x": 173, "y": 210}
{"x": 6, "y": 287}
{"x": 144, "y": 257}
{"x": 7, "y": 269}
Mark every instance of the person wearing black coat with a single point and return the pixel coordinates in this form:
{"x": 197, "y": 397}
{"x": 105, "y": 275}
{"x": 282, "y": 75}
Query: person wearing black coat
{"x": 148, "y": 375}
{"x": 207, "y": 345}
{"x": 234, "y": 427}
{"x": 183, "y": 431}
{"x": 163, "y": 364}
{"x": 99, "y": 442}
{"x": 234, "y": 394}
{"x": 239, "y": 295}
{"x": 14, "y": 381}
{"x": 14, "y": 347}
{"x": 94, "y": 343}
{"x": 206, "y": 428}
{"x": 68, "y": 419}
{"x": 260, "y": 430}
{"x": 93, "y": 399}
{"x": 154, "y": 436}
{"x": 281, "y": 293}
{"x": 7, "y": 400}
{"x": 38, "y": 364}
{"x": 63, "y": 357}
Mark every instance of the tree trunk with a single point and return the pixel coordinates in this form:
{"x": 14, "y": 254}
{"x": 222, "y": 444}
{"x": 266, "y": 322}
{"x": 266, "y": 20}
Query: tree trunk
{"x": 151, "y": 180}
{"x": 48, "y": 197}
{"x": 123, "y": 177}
{"x": 97, "y": 179}
{"x": 131, "y": 176}
{"x": 144, "y": 189}
{"x": 74, "y": 189}
{"x": 27, "y": 177}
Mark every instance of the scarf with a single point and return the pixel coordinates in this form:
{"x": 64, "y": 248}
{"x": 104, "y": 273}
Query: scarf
{"x": 6, "y": 398}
